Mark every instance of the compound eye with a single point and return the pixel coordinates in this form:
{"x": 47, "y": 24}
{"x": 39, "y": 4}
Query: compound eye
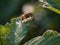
{"x": 27, "y": 12}
{"x": 26, "y": 16}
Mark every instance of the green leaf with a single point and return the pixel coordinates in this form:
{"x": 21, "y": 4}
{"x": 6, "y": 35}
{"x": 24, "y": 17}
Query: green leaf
{"x": 49, "y": 37}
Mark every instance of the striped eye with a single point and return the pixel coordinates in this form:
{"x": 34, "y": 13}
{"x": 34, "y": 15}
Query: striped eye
{"x": 26, "y": 17}
{"x": 27, "y": 12}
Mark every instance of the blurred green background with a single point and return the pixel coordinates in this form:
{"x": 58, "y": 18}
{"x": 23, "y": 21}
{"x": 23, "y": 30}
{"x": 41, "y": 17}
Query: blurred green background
{"x": 13, "y": 8}
{"x": 10, "y": 9}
